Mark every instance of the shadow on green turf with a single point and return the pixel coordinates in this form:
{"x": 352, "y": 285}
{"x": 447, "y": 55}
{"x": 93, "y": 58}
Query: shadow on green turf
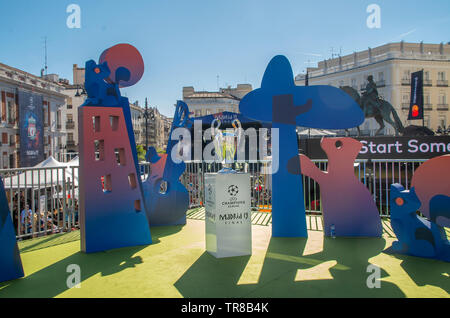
{"x": 424, "y": 271}
{"x": 210, "y": 277}
{"x": 51, "y": 281}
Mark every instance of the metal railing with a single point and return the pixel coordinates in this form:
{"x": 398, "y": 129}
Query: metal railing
{"x": 376, "y": 175}
{"x": 51, "y": 194}
{"x": 66, "y": 156}
{"x": 42, "y": 200}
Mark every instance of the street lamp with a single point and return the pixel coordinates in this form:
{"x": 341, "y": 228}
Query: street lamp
{"x": 148, "y": 114}
{"x": 83, "y": 92}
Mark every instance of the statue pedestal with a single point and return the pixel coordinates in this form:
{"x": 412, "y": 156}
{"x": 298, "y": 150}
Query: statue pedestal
{"x": 228, "y": 215}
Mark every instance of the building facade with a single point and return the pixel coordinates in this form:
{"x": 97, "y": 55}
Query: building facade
{"x": 52, "y": 91}
{"x": 391, "y": 66}
{"x": 202, "y": 103}
{"x": 138, "y": 121}
{"x": 158, "y": 129}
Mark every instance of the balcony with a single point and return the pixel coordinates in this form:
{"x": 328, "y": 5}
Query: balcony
{"x": 406, "y": 81}
{"x": 70, "y": 124}
{"x": 442, "y": 83}
{"x": 427, "y": 82}
{"x": 442, "y": 107}
{"x": 70, "y": 143}
{"x": 405, "y": 106}
{"x": 428, "y": 107}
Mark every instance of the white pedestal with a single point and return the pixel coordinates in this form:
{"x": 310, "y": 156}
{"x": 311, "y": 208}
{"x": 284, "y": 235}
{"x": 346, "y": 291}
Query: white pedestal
{"x": 228, "y": 214}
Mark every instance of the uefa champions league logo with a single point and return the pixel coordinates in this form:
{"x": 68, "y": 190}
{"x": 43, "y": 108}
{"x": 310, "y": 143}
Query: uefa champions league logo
{"x": 233, "y": 190}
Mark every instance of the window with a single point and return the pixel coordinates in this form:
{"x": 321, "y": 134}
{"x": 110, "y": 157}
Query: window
{"x": 426, "y": 99}
{"x": 10, "y": 112}
{"x": 441, "y": 76}
{"x": 442, "y": 121}
{"x": 381, "y": 76}
{"x": 69, "y": 118}
{"x": 5, "y": 160}
{"x": 45, "y": 114}
{"x": 5, "y": 138}
{"x": 354, "y": 85}
{"x": 70, "y": 137}
{"x": 427, "y": 121}
{"x": 406, "y": 75}
{"x": 58, "y": 118}
{"x": 442, "y": 99}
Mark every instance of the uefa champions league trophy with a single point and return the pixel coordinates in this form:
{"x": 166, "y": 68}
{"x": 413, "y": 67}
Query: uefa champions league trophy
{"x": 226, "y": 142}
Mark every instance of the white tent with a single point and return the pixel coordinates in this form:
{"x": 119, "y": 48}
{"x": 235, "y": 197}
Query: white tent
{"x": 44, "y": 174}
{"x": 75, "y": 162}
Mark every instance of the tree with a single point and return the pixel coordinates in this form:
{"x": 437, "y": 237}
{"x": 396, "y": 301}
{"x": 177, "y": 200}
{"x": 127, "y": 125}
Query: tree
{"x": 140, "y": 152}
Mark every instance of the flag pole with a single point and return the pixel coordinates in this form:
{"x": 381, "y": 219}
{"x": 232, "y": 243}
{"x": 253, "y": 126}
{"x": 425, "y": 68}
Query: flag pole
{"x": 423, "y": 117}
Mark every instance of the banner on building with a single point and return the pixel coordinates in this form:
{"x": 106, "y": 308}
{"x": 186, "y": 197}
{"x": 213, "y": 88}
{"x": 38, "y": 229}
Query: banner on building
{"x": 31, "y": 129}
{"x": 416, "y": 102}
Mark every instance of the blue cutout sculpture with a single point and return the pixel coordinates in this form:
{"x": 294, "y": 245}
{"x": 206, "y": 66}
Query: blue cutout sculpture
{"x": 166, "y": 197}
{"x": 100, "y": 93}
{"x": 283, "y": 104}
{"x": 418, "y": 236}
{"x": 10, "y": 262}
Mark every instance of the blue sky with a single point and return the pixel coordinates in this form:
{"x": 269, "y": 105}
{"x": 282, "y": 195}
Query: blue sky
{"x": 189, "y": 43}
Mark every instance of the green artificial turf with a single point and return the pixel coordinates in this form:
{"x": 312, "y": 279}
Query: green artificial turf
{"x": 177, "y": 265}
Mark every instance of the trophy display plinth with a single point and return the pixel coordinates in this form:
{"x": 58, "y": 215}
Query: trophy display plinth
{"x": 228, "y": 214}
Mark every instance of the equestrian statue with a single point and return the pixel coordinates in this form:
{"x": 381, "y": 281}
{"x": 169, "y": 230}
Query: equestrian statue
{"x": 375, "y": 107}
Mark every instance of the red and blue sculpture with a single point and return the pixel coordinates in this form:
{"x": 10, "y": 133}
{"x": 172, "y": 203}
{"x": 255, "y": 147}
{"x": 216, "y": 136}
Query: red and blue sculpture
{"x": 430, "y": 179}
{"x": 348, "y": 206}
{"x": 167, "y": 200}
{"x": 10, "y": 262}
{"x": 284, "y": 105}
{"x": 112, "y": 206}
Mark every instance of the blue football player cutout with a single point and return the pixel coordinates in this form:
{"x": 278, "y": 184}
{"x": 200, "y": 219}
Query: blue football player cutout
{"x": 10, "y": 262}
{"x": 283, "y": 104}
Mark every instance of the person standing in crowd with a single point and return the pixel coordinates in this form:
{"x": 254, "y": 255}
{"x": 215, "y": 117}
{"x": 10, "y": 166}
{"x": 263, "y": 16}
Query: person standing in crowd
{"x": 26, "y": 219}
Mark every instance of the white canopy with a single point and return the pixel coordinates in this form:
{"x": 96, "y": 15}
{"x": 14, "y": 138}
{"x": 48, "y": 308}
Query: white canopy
{"x": 44, "y": 174}
{"x": 74, "y": 162}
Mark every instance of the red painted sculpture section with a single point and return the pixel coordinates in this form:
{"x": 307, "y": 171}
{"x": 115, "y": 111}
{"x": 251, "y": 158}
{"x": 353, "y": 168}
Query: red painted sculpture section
{"x": 112, "y": 211}
{"x": 348, "y": 207}
{"x": 430, "y": 179}
{"x": 124, "y": 61}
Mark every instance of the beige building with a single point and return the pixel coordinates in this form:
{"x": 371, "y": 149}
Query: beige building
{"x": 158, "y": 129}
{"x": 54, "y": 101}
{"x": 202, "y": 103}
{"x": 138, "y": 122}
{"x": 391, "y": 66}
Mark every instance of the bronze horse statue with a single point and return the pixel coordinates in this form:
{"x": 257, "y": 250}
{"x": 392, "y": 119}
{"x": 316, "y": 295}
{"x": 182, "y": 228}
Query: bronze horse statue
{"x": 381, "y": 114}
